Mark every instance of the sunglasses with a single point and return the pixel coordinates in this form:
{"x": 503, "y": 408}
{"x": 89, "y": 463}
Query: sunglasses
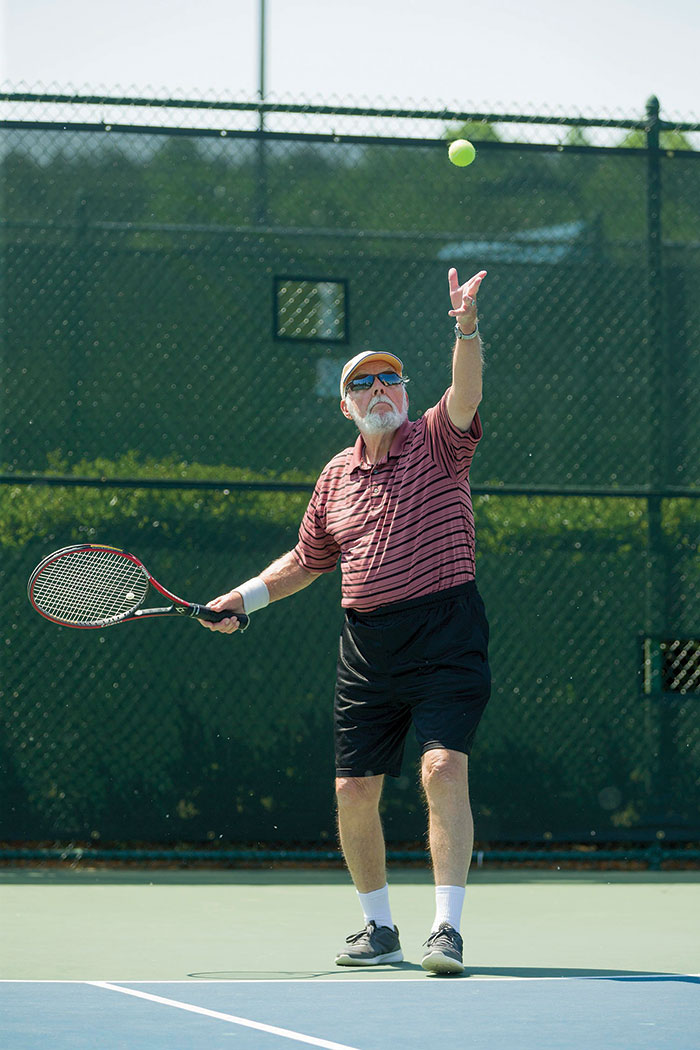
{"x": 367, "y": 382}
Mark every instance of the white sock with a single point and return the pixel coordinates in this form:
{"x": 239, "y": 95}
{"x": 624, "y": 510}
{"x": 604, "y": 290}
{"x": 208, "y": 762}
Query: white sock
{"x": 375, "y": 907}
{"x": 449, "y": 901}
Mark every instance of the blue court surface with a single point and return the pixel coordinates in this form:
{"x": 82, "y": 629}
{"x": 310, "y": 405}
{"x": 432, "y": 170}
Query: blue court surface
{"x": 654, "y": 1012}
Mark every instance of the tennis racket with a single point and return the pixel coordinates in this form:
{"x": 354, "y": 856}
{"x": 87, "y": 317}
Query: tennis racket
{"x": 92, "y": 585}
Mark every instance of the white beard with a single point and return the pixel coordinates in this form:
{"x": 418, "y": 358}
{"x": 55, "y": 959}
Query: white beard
{"x": 377, "y": 422}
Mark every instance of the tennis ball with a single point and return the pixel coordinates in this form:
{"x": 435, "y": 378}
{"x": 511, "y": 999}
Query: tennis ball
{"x": 461, "y": 152}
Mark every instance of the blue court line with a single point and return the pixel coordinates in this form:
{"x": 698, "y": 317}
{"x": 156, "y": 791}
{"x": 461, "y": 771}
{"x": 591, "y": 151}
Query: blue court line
{"x": 524, "y": 1014}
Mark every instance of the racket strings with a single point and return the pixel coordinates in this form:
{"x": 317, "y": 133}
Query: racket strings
{"x": 86, "y": 586}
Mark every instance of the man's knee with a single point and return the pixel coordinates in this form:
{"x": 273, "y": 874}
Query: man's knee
{"x": 443, "y": 770}
{"x": 358, "y": 792}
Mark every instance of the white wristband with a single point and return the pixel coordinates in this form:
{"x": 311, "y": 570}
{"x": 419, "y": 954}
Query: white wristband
{"x": 472, "y": 335}
{"x": 255, "y": 594}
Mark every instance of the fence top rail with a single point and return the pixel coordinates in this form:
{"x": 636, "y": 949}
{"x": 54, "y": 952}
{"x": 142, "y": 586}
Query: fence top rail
{"x": 110, "y": 127}
{"x": 222, "y": 485}
{"x": 267, "y": 107}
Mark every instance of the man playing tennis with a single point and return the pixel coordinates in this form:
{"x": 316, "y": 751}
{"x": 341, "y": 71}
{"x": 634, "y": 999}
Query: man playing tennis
{"x": 396, "y": 509}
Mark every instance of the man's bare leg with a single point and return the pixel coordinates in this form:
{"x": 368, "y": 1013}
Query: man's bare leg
{"x": 451, "y": 838}
{"x": 362, "y": 840}
{"x": 451, "y": 827}
{"x": 360, "y": 829}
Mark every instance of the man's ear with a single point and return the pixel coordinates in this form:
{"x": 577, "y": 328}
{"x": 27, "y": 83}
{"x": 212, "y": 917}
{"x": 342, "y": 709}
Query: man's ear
{"x": 344, "y": 409}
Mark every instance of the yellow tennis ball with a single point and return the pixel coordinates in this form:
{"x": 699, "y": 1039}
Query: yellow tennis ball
{"x": 461, "y": 152}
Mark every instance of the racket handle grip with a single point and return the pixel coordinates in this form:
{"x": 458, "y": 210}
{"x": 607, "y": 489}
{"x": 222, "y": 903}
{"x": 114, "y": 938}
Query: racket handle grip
{"x": 203, "y": 612}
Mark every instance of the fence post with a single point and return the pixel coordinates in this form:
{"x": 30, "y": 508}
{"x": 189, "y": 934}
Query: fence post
{"x": 260, "y": 174}
{"x": 656, "y": 612}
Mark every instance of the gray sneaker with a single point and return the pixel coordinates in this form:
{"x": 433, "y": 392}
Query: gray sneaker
{"x": 371, "y": 946}
{"x": 444, "y": 954}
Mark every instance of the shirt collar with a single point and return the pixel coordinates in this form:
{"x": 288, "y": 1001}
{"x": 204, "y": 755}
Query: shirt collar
{"x": 397, "y": 445}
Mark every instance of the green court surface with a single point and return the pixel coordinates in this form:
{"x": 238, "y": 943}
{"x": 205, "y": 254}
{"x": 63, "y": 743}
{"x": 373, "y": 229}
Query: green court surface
{"x": 126, "y": 925}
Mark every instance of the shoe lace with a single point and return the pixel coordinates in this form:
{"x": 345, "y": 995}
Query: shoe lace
{"x": 355, "y": 937}
{"x": 444, "y": 930}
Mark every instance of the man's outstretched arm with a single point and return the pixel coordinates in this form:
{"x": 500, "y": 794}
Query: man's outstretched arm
{"x": 465, "y": 393}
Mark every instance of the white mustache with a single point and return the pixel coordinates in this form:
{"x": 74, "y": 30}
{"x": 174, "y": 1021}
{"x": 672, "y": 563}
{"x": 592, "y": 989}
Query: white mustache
{"x": 379, "y": 399}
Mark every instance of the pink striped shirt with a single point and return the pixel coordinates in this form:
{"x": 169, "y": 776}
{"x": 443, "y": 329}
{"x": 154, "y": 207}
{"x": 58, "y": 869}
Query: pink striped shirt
{"x": 402, "y": 528}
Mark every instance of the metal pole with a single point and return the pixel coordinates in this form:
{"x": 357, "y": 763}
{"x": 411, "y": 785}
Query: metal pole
{"x": 657, "y": 567}
{"x": 261, "y": 175}
{"x": 261, "y": 86}
{"x": 660, "y": 467}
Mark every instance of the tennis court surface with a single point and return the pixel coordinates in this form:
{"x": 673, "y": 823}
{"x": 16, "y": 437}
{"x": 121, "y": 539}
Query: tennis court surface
{"x": 178, "y": 960}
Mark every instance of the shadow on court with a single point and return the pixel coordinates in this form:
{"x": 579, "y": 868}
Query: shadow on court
{"x": 512, "y": 972}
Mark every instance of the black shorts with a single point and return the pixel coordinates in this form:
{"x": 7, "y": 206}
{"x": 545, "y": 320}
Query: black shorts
{"x": 422, "y": 661}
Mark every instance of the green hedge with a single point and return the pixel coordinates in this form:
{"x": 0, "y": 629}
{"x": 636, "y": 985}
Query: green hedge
{"x": 32, "y": 512}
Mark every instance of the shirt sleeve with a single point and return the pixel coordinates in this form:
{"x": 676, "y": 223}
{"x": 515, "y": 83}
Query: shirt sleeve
{"x": 453, "y": 449}
{"x": 316, "y": 550}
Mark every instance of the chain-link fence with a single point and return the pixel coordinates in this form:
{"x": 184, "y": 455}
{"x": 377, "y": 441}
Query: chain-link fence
{"x": 181, "y": 285}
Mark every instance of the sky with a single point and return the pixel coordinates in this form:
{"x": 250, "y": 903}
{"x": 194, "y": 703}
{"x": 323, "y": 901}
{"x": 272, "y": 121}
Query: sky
{"x": 601, "y": 57}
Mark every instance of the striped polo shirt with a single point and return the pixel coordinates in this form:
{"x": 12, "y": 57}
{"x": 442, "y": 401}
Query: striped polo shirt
{"x": 403, "y": 527}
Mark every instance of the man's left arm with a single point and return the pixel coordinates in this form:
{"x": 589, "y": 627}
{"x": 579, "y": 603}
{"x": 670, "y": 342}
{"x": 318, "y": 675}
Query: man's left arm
{"x": 464, "y": 395}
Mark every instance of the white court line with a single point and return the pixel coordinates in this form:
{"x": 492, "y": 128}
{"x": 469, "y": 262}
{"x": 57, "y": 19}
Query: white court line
{"x": 286, "y": 1033}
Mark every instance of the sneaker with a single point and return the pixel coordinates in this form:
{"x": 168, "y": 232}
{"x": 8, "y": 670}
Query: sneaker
{"x": 371, "y": 946}
{"x": 444, "y": 954}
